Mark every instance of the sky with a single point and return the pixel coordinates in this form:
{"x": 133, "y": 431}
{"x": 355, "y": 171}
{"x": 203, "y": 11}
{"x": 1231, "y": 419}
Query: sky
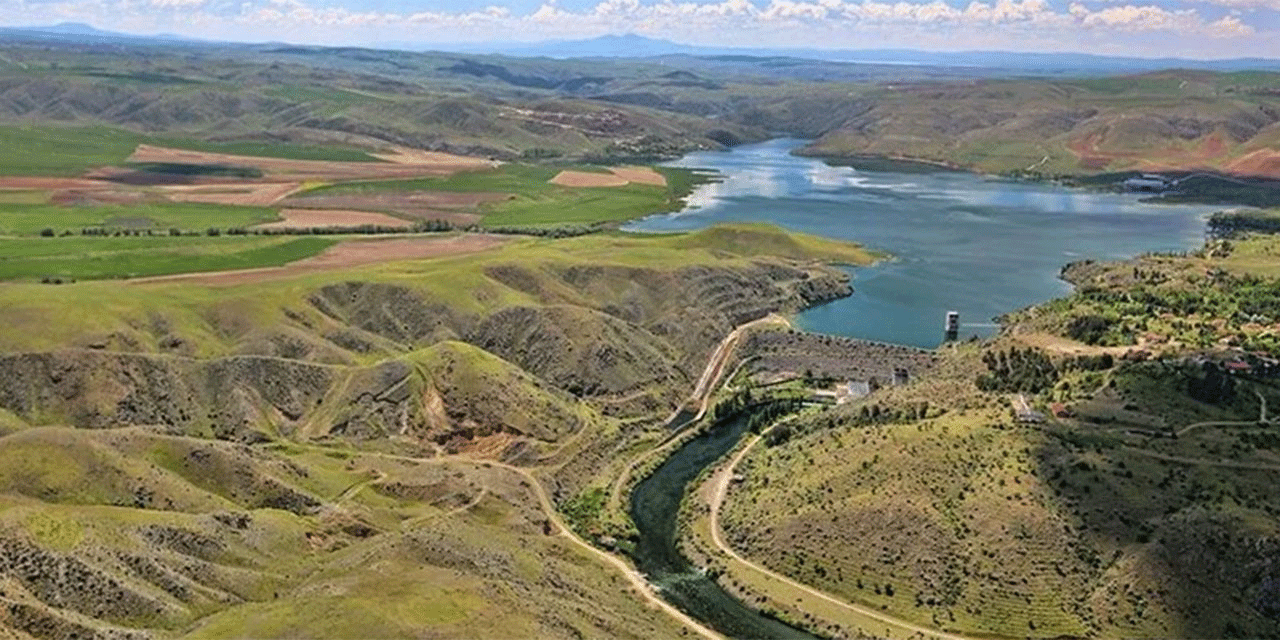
{"x": 1148, "y": 28}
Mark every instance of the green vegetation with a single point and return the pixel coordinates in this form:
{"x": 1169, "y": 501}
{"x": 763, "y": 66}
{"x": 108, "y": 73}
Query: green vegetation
{"x": 62, "y": 151}
{"x": 158, "y": 217}
{"x": 1059, "y": 128}
{"x": 77, "y": 258}
{"x": 1225, "y": 294}
{"x": 534, "y": 202}
{"x": 764, "y": 239}
{"x": 45, "y": 150}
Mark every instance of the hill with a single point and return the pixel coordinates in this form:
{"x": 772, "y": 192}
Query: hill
{"x": 359, "y": 451}
{"x": 1160, "y": 121}
{"x": 1101, "y": 469}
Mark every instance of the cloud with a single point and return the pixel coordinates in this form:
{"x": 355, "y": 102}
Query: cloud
{"x": 175, "y": 4}
{"x": 836, "y": 23}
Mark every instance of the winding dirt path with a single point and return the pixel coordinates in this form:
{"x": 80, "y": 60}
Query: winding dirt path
{"x": 701, "y": 396}
{"x": 1262, "y": 419}
{"x": 1205, "y": 462}
{"x": 722, "y": 480}
{"x": 637, "y": 580}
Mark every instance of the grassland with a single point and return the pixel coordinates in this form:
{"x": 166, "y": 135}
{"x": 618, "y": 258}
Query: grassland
{"x": 330, "y": 436}
{"x": 1127, "y": 511}
{"x": 31, "y": 218}
{"x": 1162, "y": 121}
{"x": 966, "y": 522}
{"x": 80, "y": 258}
{"x": 534, "y": 202}
{"x": 44, "y": 150}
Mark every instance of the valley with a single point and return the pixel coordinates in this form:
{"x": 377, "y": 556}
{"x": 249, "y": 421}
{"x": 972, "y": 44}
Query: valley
{"x": 338, "y": 342}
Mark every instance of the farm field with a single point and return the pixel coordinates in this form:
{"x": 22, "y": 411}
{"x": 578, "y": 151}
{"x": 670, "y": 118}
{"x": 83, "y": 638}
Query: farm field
{"x": 308, "y": 341}
{"x": 80, "y": 258}
{"x": 177, "y": 193}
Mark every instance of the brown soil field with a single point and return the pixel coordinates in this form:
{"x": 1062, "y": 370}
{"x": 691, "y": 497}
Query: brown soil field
{"x": 405, "y": 155}
{"x": 452, "y": 206}
{"x": 344, "y": 255}
{"x": 617, "y": 177}
{"x": 1263, "y": 162}
{"x": 584, "y": 179}
{"x": 243, "y": 194}
{"x": 308, "y": 218}
{"x": 28, "y": 183}
{"x": 641, "y": 175}
{"x": 408, "y": 166}
{"x": 1208, "y": 155}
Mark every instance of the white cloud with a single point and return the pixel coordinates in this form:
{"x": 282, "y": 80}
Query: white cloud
{"x": 835, "y": 23}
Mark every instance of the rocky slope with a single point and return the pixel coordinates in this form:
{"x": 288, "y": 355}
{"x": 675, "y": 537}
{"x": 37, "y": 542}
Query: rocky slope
{"x": 231, "y": 464}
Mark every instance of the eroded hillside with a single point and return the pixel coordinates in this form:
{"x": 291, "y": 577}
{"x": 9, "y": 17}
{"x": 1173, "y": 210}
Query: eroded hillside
{"x": 225, "y": 458}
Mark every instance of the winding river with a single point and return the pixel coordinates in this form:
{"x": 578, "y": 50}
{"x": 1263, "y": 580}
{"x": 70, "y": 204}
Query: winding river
{"x": 978, "y": 245}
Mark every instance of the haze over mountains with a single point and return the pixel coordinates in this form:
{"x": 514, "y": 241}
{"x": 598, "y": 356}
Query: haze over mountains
{"x": 637, "y": 46}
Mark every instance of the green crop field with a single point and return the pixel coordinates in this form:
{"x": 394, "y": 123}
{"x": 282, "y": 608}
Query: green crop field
{"x": 31, "y": 219}
{"x": 93, "y": 258}
{"x": 63, "y": 151}
{"x": 535, "y": 201}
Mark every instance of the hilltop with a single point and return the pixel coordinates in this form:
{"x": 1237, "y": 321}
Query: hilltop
{"x": 610, "y": 110}
{"x": 1158, "y": 121}
{"x": 1100, "y": 469}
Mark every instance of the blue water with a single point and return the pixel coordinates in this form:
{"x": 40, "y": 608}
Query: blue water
{"x": 974, "y": 244}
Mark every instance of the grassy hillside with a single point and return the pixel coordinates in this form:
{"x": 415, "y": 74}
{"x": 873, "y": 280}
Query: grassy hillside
{"x": 319, "y": 453}
{"x": 1129, "y": 508}
{"x": 67, "y": 150}
{"x": 1164, "y": 121}
{"x": 78, "y": 258}
{"x": 186, "y": 537}
{"x": 318, "y": 105}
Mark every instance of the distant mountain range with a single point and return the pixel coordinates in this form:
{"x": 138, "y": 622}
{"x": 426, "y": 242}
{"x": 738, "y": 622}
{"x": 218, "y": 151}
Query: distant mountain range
{"x": 78, "y": 31}
{"x": 637, "y": 46}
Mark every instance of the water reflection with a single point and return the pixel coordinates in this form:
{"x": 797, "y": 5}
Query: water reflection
{"x": 975, "y": 244}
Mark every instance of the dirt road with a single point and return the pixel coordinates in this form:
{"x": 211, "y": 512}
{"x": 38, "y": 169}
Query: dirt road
{"x": 700, "y": 397}
{"x": 722, "y": 480}
{"x": 642, "y": 586}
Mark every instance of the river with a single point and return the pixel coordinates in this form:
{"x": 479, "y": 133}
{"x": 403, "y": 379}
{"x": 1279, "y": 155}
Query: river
{"x": 974, "y": 244}
{"x": 655, "y": 505}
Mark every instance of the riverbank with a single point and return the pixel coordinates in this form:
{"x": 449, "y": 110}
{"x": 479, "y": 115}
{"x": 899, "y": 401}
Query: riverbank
{"x": 701, "y": 539}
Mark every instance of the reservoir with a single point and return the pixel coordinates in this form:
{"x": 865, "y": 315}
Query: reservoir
{"x": 975, "y": 244}
{"x": 978, "y": 245}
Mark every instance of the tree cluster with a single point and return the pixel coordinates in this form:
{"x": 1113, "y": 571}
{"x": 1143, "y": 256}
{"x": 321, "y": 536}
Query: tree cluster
{"x": 1017, "y": 370}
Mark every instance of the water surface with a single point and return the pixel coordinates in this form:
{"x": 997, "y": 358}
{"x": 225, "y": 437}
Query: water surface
{"x": 975, "y": 244}
{"x": 655, "y": 505}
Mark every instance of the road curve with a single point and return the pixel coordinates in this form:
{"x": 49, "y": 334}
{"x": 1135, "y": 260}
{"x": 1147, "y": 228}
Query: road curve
{"x": 724, "y": 477}
{"x": 701, "y": 396}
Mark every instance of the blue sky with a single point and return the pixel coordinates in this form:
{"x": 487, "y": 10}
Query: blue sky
{"x": 1186, "y": 28}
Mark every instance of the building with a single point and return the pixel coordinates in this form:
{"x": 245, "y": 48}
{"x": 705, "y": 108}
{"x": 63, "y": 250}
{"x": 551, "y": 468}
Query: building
{"x": 1060, "y": 410}
{"x": 1028, "y": 416}
{"x": 858, "y": 389}
{"x": 952, "y": 326}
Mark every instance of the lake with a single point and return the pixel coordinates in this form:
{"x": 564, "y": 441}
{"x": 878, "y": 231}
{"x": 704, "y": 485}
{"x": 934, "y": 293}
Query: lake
{"x": 979, "y": 245}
